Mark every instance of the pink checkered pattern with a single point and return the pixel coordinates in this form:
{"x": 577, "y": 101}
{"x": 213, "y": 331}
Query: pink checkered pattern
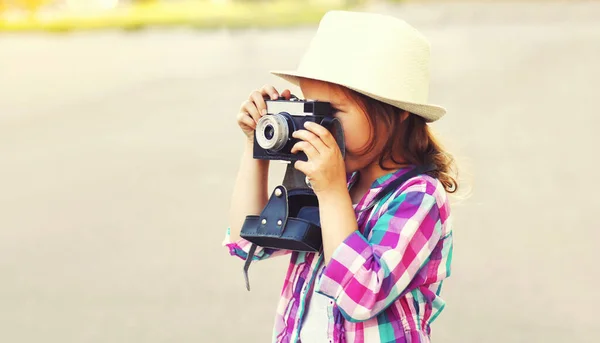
{"x": 384, "y": 280}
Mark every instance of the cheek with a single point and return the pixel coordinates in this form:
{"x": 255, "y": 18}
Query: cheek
{"x": 357, "y": 132}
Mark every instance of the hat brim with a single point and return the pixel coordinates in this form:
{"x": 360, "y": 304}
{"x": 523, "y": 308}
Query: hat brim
{"x": 429, "y": 112}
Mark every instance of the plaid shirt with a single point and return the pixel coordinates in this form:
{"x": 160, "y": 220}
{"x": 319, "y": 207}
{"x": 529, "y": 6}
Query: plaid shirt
{"x": 384, "y": 280}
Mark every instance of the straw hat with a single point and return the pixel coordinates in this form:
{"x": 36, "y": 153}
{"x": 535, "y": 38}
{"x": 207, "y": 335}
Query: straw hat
{"x": 377, "y": 55}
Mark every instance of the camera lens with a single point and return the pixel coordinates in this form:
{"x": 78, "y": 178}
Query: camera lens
{"x": 272, "y": 132}
{"x": 269, "y": 132}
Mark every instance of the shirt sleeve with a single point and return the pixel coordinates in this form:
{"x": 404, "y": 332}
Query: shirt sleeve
{"x": 241, "y": 247}
{"x": 365, "y": 276}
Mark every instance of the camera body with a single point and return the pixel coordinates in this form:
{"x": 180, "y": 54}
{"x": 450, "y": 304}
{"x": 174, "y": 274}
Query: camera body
{"x": 273, "y": 135}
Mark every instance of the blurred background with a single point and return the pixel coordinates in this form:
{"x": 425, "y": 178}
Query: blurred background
{"x": 119, "y": 147}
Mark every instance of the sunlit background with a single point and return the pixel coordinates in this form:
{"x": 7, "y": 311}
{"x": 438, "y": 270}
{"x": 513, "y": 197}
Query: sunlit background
{"x": 119, "y": 147}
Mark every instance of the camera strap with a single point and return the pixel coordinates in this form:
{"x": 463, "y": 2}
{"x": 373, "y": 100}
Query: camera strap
{"x": 247, "y": 264}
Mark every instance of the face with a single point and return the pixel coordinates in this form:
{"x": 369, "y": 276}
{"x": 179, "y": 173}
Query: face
{"x": 357, "y": 129}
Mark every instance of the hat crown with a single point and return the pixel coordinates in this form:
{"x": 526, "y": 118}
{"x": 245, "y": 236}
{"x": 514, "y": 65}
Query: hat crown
{"x": 375, "y": 53}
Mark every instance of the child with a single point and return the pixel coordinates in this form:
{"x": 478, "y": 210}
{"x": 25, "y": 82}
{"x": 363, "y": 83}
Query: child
{"x": 379, "y": 276}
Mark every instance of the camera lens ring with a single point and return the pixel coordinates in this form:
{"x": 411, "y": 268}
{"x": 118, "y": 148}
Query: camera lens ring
{"x": 269, "y": 131}
{"x": 277, "y": 126}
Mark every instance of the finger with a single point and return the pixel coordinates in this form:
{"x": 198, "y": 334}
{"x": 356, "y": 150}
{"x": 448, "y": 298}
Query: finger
{"x": 302, "y": 166}
{"x": 270, "y": 91}
{"x": 259, "y": 101}
{"x": 250, "y": 109}
{"x": 324, "y": 134}
{"x": 308, "y": 149}
{"x": 310, "y": 137}
{"x": 247, "y": 120}
{"x": 286, "y": 94}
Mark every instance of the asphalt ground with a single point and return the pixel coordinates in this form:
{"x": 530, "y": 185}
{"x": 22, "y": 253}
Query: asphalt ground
{"x": 118, "y": 152}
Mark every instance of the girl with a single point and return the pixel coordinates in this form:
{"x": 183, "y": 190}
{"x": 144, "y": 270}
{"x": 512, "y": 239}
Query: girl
{"x": 379, "y": 276}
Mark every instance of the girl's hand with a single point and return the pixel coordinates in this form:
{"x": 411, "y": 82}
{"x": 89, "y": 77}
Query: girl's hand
{"x": 255, "y": 107}
{"x": 325, "y": 166}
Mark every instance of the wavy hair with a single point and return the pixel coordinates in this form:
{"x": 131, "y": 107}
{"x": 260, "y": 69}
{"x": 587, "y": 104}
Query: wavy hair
{"x": 411, "y": 139}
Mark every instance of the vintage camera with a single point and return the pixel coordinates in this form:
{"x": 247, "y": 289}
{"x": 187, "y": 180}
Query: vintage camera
{"x": 273, "y": 135}
{"x": 290, "y": 220}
